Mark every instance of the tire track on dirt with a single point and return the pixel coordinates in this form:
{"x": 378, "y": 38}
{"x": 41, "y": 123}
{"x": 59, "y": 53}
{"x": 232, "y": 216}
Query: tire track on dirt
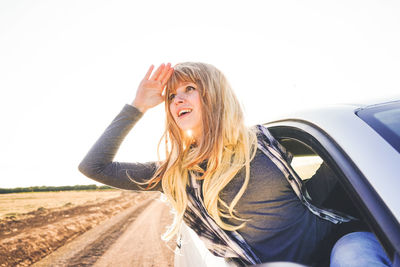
{"x": 89, "y": 247}
{"x": 141, "y": 244}
{"x": 92, "y": 253}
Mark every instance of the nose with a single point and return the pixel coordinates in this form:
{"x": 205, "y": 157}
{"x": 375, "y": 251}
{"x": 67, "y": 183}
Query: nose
{"x": 179, "y": 98}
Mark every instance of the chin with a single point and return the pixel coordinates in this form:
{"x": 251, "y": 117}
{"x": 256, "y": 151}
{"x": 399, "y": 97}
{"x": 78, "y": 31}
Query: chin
{"x": 185, "y": 127}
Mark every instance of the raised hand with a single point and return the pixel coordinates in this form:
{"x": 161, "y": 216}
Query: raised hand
{"x": 149, "y": 92}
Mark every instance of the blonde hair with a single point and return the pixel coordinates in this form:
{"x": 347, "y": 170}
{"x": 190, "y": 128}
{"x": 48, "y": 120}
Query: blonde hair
{"x": 227, "y": 146}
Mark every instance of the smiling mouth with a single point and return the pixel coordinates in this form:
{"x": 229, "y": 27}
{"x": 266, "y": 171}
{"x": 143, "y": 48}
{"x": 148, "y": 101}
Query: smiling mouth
{"x": 184, "y": 112}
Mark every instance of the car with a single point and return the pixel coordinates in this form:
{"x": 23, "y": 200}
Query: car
{"x": 361, "y": 144}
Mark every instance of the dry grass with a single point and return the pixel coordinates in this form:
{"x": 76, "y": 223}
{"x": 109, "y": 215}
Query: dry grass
{"x": 18, "y": 203}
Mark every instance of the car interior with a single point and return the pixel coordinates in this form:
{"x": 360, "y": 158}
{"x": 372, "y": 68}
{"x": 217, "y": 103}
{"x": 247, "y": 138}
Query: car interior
{"x": 307, "y": 163}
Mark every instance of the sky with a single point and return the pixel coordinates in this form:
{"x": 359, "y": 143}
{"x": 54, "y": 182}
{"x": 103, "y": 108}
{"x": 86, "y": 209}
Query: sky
{"x": 68, "y": 67}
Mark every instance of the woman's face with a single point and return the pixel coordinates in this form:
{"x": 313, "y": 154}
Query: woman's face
{"x": 185, "y": 107}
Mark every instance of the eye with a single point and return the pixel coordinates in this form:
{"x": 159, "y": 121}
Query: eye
{"x": 190, "y": 88}
{"x": 171, "y": 97}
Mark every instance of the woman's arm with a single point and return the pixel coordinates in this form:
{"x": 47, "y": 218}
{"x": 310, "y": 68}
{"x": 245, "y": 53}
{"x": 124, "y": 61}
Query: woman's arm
{"x": 98, "y": 163}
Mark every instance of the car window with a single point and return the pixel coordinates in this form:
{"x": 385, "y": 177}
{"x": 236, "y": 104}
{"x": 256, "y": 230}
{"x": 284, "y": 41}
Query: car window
{"x": 306, "y": 166}
{"x": 305, "y": 161}
{"x": 318, "y": 178}
{"x": 385, "y": 120}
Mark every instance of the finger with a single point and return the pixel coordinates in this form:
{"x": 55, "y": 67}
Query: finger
{"x": 157, "y": 72}
{"x": 166, "y": 78}
{"x": 164, "y": 72}
{"x": 146, "y": 77}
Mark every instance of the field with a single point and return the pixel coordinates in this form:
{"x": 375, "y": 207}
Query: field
{"x": 19, "y": 203}
{"x": 33, "y": 225}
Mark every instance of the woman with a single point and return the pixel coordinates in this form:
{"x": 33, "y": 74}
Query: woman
{"x": 230, "y": 192}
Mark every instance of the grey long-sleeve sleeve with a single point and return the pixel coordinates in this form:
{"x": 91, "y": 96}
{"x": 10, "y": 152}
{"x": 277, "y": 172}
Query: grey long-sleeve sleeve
{"x": 98, "y": 164}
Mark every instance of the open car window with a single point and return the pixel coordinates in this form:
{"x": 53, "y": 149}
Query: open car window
{"x": 320, "y": 180}
{"x": 305, "y": 161}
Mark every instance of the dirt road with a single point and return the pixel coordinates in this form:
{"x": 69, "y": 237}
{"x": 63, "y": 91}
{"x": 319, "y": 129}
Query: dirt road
{"x": 122, "y": 230}
{"x": 141, "y": 244}
{"x": 131, "y": 238}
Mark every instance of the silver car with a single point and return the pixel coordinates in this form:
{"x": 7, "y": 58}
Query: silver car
{"x": 361, "y": 144}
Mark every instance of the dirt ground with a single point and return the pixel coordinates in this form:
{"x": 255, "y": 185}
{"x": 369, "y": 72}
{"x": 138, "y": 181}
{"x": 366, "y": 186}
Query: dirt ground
{"x": 19, "y": 203}
{"x": 28, "y": 238}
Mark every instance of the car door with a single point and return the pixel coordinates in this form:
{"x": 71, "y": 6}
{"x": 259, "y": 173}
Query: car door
{"x": 354, "y": 195}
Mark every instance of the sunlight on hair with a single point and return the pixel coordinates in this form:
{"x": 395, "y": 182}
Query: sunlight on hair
{"x": 189, "y": 133}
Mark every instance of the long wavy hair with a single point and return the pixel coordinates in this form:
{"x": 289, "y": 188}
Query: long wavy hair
{"x": 227, "y": 146}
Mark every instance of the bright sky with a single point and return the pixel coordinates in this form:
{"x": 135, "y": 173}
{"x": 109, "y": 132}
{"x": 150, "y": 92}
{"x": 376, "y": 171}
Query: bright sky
{"x": 68, "y": 67}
